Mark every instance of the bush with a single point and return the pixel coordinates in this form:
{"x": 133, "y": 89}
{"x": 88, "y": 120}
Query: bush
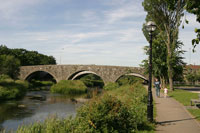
{"x": 69, "y": 87}
{"x": 106, "y": 114}
{"x": 3, "y": 77}
{"x": 10, "y": 89}
{"x": 111, "y": 86}
{"x": 40, "y": 85}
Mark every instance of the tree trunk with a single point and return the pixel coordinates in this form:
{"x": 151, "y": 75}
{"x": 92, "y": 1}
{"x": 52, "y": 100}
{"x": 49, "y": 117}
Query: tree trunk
{"x": 169, "y": 66}
{"x": 163, "y": 82}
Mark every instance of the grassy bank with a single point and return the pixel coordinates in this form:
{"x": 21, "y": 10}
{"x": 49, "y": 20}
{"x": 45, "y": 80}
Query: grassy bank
{"x": 69, "y": 87}
{"x": 11, "y": 89}
{"x": 122, "y": 109}
{"x": 184, "y": 97}
{"x": 40, "y": 85}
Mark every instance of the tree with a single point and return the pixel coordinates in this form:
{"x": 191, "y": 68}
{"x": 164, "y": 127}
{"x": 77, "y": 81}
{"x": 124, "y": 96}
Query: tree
{"x": 9, "y": 65}
{"x": 159, "y": 61}
{"x": 193, "y": 6}
{"x": 167, "y": 15}
{"x": 28, "y": 58}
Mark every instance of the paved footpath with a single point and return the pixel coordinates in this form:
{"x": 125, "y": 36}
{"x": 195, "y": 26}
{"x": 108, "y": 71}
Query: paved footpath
{"x": 172, "y": 117}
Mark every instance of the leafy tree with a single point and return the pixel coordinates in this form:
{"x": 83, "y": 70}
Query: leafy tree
{"x": 9, "y": 65}
{"x": 28, "y": 57}
{"x": 193, "y": 6}
{"x": 167, "y": 15}
{"x": 193, "y": 76}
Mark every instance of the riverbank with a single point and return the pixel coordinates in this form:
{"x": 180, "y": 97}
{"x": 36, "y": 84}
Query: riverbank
{"x": 12, "y": 89}
{"x": 119, "y": 110}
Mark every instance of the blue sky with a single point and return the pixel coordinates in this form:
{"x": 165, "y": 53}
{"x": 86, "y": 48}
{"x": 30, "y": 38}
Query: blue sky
{"x": 102, "y": 32}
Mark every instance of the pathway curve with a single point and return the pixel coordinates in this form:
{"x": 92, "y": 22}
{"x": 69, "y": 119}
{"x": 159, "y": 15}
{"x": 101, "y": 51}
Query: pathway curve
{"x": 172, "y": 117}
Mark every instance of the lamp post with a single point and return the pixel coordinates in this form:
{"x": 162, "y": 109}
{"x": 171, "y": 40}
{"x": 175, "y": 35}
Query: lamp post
{"x": 151, "y": 27}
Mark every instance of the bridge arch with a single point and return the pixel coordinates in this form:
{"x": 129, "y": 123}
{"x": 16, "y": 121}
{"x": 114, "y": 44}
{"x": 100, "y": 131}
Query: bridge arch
{"x": 84, "y": 72}
{"x": 133, "y": 74}
{"x": 42, "y": 73}
{"x": 74, "y": 74}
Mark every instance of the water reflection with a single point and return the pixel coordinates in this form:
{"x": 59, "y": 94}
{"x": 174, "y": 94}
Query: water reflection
{"x": 35, "y": 106}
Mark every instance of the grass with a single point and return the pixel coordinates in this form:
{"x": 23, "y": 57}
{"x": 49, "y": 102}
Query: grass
{"x": 184, "y": 97}
{"x": 195, "y": 112}
{"x": 68, "y": 87}
{"x": 186, "y": 85}
{"x": 40, "y": 85}
{"x": 11, "y": 89}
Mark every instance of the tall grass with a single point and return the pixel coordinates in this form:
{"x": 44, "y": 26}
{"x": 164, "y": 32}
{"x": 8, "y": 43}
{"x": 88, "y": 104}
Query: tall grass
{"x": 69, "y": 87}
{"x": 11, "y": 89}
{"x": 40, "y": 85}
{"x": 119, "y": 110}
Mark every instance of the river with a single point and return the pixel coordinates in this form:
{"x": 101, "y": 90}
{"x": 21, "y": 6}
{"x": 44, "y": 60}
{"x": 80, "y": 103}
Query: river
{"x": 35, "y": 106}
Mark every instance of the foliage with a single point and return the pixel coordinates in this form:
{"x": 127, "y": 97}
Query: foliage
{"x": 128, "y": 80}
{"x": 193, "y": 6}
{"x": 10, "y": 89}
{"x": 28, "y": 57}
{"x": 69, "y": 87}
{"x": 167, "y": 15}
{"x": 193, "y": 76}
{"x": 91, "y": 80}
{"x": 9, "y": 65}
{"x": 40, "y": 85}
{"x": 111, "y": 86}
{"x": 159, "y": 60}
{"x": 107, "y": 113}
{"x": 3, "y": 77}
{"x": 183, "y": 96}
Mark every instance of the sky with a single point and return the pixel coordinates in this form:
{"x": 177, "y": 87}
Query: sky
{"x": 101, "y": 32}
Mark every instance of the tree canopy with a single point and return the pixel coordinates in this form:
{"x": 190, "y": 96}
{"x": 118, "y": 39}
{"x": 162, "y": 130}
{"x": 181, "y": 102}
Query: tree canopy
{"x": 9, "y": 65}
{"x": 167, "y": 15}
{"x": 28, "y": 58}
{"x": 193, "y": 6}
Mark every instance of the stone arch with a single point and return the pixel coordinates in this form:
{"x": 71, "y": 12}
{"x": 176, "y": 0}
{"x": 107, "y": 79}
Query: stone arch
{"x": 74, "y": 74}
{"x": 33, "y": 72}
{"x": 82, "y": 72}
{"x": 133, "y": 74}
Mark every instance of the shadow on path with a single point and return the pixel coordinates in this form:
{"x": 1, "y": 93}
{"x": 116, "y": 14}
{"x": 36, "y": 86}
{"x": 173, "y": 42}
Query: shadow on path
{"x": 163, "y": 123}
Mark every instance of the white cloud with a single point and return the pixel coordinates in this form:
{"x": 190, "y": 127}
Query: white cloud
{"x": 10, "y": 9}
{"x": 125, "y": 10}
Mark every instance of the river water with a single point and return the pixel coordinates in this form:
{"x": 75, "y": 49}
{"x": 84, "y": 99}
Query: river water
{"x": 35, "y": 106}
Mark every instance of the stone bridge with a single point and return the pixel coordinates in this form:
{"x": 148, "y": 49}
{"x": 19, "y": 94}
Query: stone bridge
{"x": 70, "y": 72}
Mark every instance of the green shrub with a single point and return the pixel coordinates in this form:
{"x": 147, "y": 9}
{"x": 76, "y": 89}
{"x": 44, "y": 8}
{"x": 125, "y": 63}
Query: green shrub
{"x": 10, "y": 89}
{"x": 3, "y": 77}
{"x": 106, "y": 114}
{"x": 111, "y": 86}
{"x": 40, "y": 85}
{"x": 69, "y": 87}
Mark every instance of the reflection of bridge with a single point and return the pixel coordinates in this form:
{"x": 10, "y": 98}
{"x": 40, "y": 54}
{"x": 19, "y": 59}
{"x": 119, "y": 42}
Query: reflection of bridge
{"x": 63, "y": 72}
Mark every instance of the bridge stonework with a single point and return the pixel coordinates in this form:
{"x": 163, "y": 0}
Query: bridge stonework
{"x": 64, "y": 72}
